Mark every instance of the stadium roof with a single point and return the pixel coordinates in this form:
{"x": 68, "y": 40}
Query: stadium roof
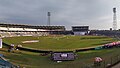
{"x": 31, "y": 26}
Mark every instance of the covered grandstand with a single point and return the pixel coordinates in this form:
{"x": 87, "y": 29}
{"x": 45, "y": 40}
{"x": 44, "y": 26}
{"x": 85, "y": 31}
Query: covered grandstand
{"x": 8, "y": 30}
{"x": 105, "y": 32}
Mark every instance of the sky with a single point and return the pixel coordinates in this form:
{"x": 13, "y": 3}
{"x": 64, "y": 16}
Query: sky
{"x": 97, "y": 14}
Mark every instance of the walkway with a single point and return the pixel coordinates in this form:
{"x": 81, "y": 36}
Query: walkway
{"x": 116, "y": 66}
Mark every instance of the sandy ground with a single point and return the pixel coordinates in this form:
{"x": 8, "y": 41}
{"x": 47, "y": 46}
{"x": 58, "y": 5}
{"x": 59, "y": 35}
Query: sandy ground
{"x": 32, "y": 41}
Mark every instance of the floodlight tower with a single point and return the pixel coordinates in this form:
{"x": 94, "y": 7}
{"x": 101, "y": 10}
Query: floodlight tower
{"x": 48, "y": 14}
{"x": 114, "y": 19}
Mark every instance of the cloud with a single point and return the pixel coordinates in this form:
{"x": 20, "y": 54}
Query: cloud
{"x": 95, "y": 13}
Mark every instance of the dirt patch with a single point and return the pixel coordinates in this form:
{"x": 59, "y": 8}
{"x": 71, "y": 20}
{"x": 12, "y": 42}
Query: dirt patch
{"x": 31, "y": 41}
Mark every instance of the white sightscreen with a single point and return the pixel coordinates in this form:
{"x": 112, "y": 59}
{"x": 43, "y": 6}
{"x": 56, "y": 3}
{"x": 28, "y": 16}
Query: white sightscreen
{"x": 0, "y": 43}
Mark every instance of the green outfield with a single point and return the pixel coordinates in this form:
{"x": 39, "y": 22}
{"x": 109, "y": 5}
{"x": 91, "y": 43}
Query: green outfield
{"x": 35, "y": 60}
{"x": 58, "y": 42}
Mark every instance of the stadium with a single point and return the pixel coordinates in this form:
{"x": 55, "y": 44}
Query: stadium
{"x": 56, "y": 47}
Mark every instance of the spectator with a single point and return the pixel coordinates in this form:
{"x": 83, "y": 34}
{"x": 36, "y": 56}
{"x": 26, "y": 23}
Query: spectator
{"x": 17, "y": 47}
{"x": 11, "y": 48}
{"x": 97, "y": 61}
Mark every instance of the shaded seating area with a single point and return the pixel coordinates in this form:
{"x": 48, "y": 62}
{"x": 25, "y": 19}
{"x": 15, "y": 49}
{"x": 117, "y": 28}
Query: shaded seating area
{"x": 5, "y": 64}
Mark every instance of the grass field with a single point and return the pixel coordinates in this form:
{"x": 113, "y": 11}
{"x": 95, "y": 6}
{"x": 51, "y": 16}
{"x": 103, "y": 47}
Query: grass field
{"x": 35, "y": 60}
{"x": 59, "y": 42}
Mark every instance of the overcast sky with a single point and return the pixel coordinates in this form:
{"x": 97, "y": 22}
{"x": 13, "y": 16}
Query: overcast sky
{"x": 95, "y": 13}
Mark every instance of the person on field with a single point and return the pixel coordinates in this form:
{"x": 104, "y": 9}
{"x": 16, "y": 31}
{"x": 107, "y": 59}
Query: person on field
{"x": 97, "y": 61}
{"x": 17, "y": 47}
{"x": 11, "y": 48}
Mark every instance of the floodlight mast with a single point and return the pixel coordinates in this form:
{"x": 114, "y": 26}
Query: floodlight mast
{"x": 114, "y": 19}
{"x": 48, "y": 14}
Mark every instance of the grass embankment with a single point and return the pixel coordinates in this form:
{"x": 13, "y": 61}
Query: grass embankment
{"x": 35, "y": 60}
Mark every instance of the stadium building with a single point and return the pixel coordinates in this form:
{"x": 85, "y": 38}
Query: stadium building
{"x": 80, "y": 30}
{"x": 8, "y": 30}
